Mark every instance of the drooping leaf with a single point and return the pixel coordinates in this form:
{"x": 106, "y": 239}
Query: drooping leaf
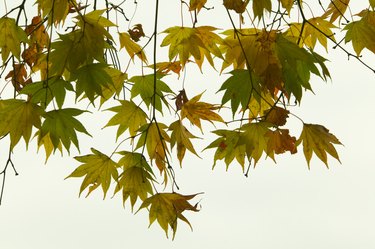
{"x": 131, "y": 47}
{"x": 195, "y": 111}
{"x": 56, "y": 11}
{"x": 135, "y": 180}
{"x": 287, "y": 4}
{"x": 118, "y": 79}
{"x": 276, "y": 116}
{"x": 166, "y": 67}
{"x": 336, "y": 9}
{"x": 11, "y": 37}
{"x": 167, "y": 208}
{"x": 91, "y": 79}
{"x": 255, "y": 139}
{"x": 240, "y": 88}
{"x": 154, "y": 138}
{"x": 98, "y": 169}
{"x": 186, "y": 42}
{"x": 237, "y": 5}
{"x": 128, "y": 116}
{"x": 46, "y": 142}
{"x": 315, "y": 29}
{"x": 260, "y": 6}
{"x": 316, "y": 138}
{"x": 279, "y": 142}
{"x": 362, "y": 35}
{"x": 44, "y": 92}
{"x": 144, "y": 86}
{"x": 197, "y": 5}
{"x": 62, "y": 127}
{"x": 17, "y": 118}
{"x": 229, "y": 146}
{"x": 181, "y": 136}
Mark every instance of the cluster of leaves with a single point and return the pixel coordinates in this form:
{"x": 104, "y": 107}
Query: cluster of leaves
{"x": 70, "y": 49}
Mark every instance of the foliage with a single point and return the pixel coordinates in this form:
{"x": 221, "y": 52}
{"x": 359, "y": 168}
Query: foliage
{"x": 55, "y": 54}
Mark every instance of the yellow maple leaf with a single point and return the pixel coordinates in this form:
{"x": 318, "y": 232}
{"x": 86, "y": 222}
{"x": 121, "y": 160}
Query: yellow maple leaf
{"x": 197, "y": 5}
{"x": 194, "y": 110}
{"x": 11, "y": 38}
{"x": 336, "y": 9}
{"x": 316, "y": 138}
{"x": 167, "y": 208}
{"x": 185, "y": 42}
{"x": 181, "y": 136}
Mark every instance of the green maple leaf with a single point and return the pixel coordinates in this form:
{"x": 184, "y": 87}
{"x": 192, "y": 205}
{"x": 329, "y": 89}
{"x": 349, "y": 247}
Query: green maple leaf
{"x": 98, "y": 169}
{"x": 17, "y": 118}
{"x": 135, "y": 181}
{"x": 62, "y": 127}
{"x": 239, "y": 89}
{"x": 167, "y": 208}
{"x": 316, "y": 138}
{"x": 11, "y": 37}
{"x": 256, "y": 140}
{"x": 44, "y": 92}
{"x": 57, "y": 11}
{"x": 229, "y": 146}
{"x": 144, "y": 86}
{"x": 128, "y": 116}
{"x": 297, "y": 65}
{"x": 91, "y": 79}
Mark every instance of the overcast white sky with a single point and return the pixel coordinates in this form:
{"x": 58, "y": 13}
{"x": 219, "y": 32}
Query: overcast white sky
{"x": 277, "y": 206}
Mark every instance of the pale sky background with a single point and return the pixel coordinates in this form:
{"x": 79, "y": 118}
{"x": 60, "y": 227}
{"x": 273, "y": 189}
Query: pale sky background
{"x": 281, "y": 205}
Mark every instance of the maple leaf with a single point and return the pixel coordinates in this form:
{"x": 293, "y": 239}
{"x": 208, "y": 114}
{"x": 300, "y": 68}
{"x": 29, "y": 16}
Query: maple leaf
{"x": 259, "y": 6}
{"x": 11, "y": 37}
{"x": 255, "y": 139}
{"x": 144, "y": 86}
{"x": 17, "y": 118}
{"x": 186, "y": 42}
{"x": 19, "y": 76}
{"x": 258, "y": 107}
{"x": 279, "y": 142}
{"x": 194, "y": 110}
{"x": 56, "y": 11}
{"x": 166, "y": 67}
{"x": 181, "y": 136}
{"x": 61, "y": 126}
{"x": 229, "y": 146}
{"x": 362, "y": 35}
{"x": 240, "y": 88}
{"x": 287, "y": 4}
{"x": 297, "y": 64}
{"x": 135, "y": 180}
{"x": 237, "y": 5}
{"x": 197, "y": 5}
{"x": 336, "y": 9}
{"x": 131, "y": 47}
{"x": 276, "y": 116}
{"x": 118, "y": 79}
{"x": 316, "y": 138}
{"x": 128, "y": 116}
{"x": 154, "y": 138}
{"x": 90, "y": 79}
{"x": 98, "y": 169}
{"x": 315, "y": 29}
{"x": 372, "y": 3}
{"x": 167, "y": 208}
{"x": 44, "y": 92}
{"x": 38, "y": 34}
{"x": 94, "y": 33}
{"x": 231, "y": 48}
{"x": 46, "y": 142}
